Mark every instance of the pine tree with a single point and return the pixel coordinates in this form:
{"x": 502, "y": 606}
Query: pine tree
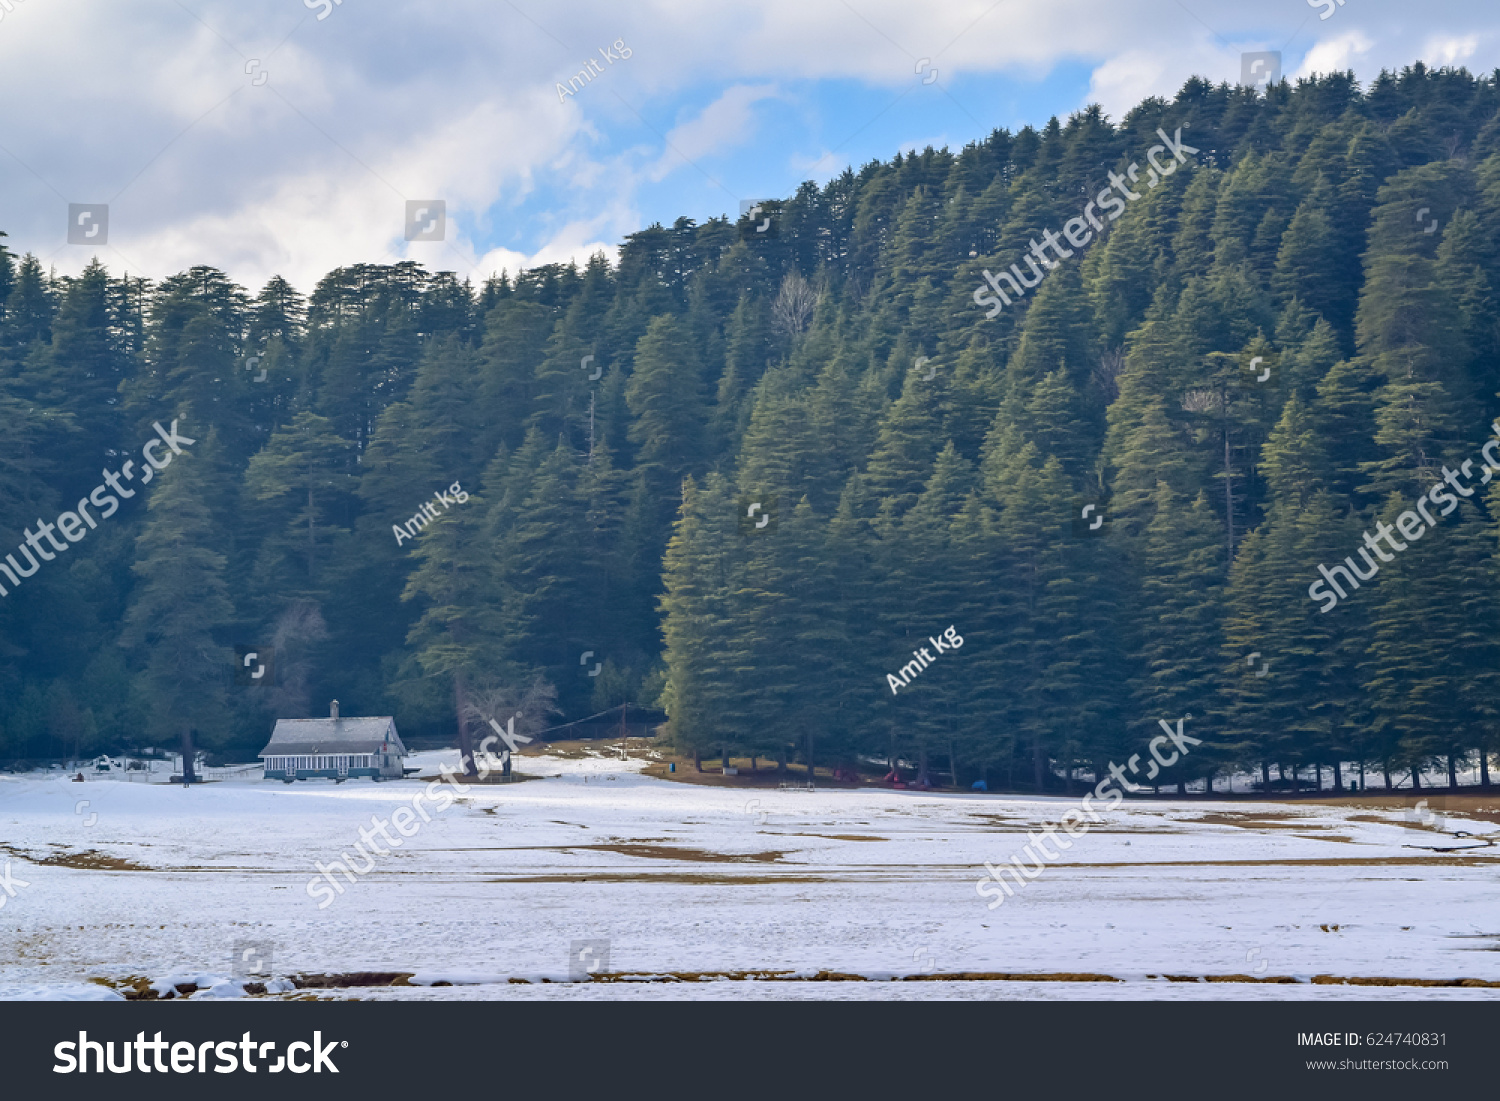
{"x": 179, "y": 603}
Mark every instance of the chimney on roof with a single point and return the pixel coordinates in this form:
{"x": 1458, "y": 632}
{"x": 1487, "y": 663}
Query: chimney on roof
{"x": 333, "y": 710}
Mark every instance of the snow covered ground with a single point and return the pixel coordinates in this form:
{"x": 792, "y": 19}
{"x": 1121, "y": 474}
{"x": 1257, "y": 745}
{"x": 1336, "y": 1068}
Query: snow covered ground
{"x": 169, "y": 884}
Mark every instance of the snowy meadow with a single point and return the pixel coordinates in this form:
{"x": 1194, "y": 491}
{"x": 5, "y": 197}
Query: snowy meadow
{"x": 595, "y": 881}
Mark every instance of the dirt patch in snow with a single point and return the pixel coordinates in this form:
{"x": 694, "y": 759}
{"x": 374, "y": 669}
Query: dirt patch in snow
{"x": 692, "y": 879}
{"x": 1484, "y": 807}
{"x": 836, "y": 836}
{"x": 1259, "y": 821}
{"x": 676, "y": 852}
{"x": 89, "y": 860}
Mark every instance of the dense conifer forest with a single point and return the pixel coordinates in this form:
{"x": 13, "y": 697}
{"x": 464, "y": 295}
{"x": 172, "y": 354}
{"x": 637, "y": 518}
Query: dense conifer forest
{"x": 757, "y": 463}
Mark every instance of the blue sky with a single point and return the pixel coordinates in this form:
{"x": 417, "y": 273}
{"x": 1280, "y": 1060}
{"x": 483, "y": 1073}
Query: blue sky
{"x": 258, "y": 137}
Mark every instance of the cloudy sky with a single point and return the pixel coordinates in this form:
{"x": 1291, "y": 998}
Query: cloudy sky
{"x": 287, "y": 136}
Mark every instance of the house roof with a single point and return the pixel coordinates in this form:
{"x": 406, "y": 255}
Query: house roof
{"x": 310, "y": 737}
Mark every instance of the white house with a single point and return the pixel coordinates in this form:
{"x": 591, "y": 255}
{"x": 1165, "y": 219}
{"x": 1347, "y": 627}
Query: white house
{"x": 334, "y": 749}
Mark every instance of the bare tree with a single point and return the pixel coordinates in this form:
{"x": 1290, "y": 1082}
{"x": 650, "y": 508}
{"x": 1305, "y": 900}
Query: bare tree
{"x": 529, "y": 706}
{"x": 1107, "y": 373}
{"x": 297, "y": 629}
{"x": 794, "y": 304}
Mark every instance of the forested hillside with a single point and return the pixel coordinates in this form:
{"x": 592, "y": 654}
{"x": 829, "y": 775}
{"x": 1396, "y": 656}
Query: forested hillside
{"x": 917, "y": 465}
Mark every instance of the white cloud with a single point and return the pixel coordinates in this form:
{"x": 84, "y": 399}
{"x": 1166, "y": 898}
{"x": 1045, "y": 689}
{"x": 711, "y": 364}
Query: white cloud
{"x": 1449, "y": 50}
{"x": 148, "y": 107}
{"x": 728, "y": 120}
{"x": 1336, "y": 54}
{"x": 1124, "y": 80}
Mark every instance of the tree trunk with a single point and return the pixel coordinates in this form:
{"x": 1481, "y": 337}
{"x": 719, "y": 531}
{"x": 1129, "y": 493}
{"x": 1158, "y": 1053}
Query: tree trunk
{"x": 1416, "y": 779}
{"x": 1317, "y": 776}
{"x": 753, "y": 759}
{"x": 698, "y": 758}
{"x": 922, "y": 780}
{"x": 465, "y": 740}
{"x": 1386, "y": 768}
{"x": 189, "y": 776}
{"x": 1181, "y": 786}
{"x": 1265, "y": 776}
{"x": 812, "y": 770}
{"x": 1208, "y": 784}
{"x": 1484, "y": 768}
{"x": 1228, "y": 482}
{"x": 953, "y": 763}
{"x": 781, "y": 762}
{"x": 1037, "y": 762}
{"x": 724, "y": 756}
{"x": 1338, "y": 777}
{"x": 309, "y": 533}
{"x": 1452, "y": 773}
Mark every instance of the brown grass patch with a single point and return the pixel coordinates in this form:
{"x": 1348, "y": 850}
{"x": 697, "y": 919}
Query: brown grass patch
{"x": 353, "y": 978}
{"x": 1484, "y": 807}
{"x": 694, "y": 879}
{"x": 89, "y": 860}
{"x": 1308, "y": 862}
{"x": 836, "y": 836}
{"x": 675, "y": 852}
{"x": 1010, "y": 976}
{"x": 1252, "y": 821}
